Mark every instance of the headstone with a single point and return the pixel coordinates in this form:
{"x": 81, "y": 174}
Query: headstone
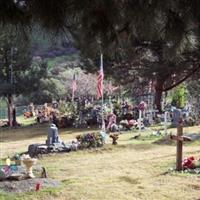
{"x": 176, "y": 115}
{"x": 141, "y": 107}
{"x": 52, "y": 135}
{"x": 140, "y": 120}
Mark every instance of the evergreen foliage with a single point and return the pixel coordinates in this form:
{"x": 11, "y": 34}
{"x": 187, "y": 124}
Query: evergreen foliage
{"x": 179, "y": 96}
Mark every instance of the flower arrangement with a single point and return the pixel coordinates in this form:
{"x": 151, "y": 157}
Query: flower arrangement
{"x": 68, "y": 109}
{"x": 90, "y": 140}
{"x": 17, "y": 159}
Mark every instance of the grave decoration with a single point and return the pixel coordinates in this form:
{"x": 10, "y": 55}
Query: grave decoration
{"x": 19, "y": 172}
{"x": 90, "y": 140}
{"x": 16, "y": 158}
{"x": 188, "y": 163}
{"x": 179, "y": 147}
{"x": 29, "y": 162}
{"x": 24, "y": 177}
{"x": 54, "y": 144}
{"x": 128, "y": 124}
{"x": 114, "y": 137}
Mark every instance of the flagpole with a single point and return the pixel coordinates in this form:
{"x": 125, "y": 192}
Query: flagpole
{"x": 102, "y": 97}
{"x": 73, "y": 87}
{"x": 72, "y": 98}
{"x": 72, "y": 95}
{"x": 110, "y": 95}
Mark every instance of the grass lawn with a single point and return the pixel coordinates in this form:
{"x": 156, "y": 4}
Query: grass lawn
{"x": 131, "y": 170}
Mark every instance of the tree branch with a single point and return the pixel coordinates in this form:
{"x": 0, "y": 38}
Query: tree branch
{"x": 182, "y": 80}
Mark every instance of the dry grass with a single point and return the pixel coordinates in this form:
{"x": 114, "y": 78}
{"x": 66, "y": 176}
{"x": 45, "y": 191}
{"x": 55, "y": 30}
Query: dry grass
{"x": 132, "y": 170}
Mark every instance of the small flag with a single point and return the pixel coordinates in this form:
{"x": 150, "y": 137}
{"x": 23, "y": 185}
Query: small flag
{"x": 74, "y": 86}
{"x": 37, "y": 186}
{"x": 100, "y": 80}
{"x": 150, "y": 86}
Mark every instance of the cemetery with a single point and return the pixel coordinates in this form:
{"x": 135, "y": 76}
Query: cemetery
{"x": 99, "y": 100}
{"x": 134, "y": 152}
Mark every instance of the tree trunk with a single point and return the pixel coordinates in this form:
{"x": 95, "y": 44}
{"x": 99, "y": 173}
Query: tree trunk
{"x": 158, "y": 95}
{"x": 10, "y": 110}
{"x": 14, "y": 121}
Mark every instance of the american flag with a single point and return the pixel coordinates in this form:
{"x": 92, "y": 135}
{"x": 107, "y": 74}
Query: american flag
{"x": 74, "y": 86}
{"x": 100, "y": 80}
{"x": 151, "y": 86}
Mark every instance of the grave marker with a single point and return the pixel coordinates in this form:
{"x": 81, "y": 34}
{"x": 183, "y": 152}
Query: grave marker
{"x": 141, "y": 108}
{"x": 179, "y": 145}
{"x": 176, "y": 117}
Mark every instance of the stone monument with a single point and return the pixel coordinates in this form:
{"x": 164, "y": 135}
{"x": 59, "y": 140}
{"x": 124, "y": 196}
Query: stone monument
{"x": 52, "y": 135}
{"x": 176, "y": 115}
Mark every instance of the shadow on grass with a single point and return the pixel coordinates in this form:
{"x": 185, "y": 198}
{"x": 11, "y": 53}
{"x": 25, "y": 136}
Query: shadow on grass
{"x": 139, "y": 147}
{"x": 34, "y": 131}
{"x": 44, "y": 193}
{"x": 130, "y": 180}
{"x": 165, "y": 140}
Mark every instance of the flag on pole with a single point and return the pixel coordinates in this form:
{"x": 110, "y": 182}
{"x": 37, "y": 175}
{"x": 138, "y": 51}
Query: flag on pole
{"x": 100, "y": 80}
{"x": 150, "y": 86}
{"x": 74, "y": 86}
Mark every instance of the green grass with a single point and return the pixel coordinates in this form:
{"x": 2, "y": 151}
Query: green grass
{"x": 43, "y": 193}
{"x": 26, "y": 121}
{"x": 131, "y": 170}
{"x": 51, "y": 62}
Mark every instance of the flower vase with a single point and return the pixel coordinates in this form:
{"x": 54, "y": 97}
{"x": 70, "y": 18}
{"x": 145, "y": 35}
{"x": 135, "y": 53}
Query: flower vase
{"x": 29, "y": 166}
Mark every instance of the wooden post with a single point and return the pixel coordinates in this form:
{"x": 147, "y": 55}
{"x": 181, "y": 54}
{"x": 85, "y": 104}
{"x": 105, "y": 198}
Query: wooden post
{"x": 179, "y": 146}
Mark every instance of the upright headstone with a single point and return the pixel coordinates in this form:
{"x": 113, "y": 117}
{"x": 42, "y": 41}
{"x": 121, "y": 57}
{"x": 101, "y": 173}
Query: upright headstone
{"x": 176, "y": 115}
{"x": 52, "y": 135}
{"x": 141, "y": 108}
{"x": 150, "y": 116}
{"x": 140, "y": 120}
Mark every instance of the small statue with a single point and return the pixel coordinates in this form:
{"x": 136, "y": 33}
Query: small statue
{"x": 114, "y": 137}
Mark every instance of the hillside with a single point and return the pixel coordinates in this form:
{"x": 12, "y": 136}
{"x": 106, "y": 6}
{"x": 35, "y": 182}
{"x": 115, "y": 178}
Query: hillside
{"x": 55, "y": 50}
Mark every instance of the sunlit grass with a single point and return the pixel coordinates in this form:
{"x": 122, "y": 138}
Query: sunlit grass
{"x": 26, "y": 121}
{"x": 131, "y": 170}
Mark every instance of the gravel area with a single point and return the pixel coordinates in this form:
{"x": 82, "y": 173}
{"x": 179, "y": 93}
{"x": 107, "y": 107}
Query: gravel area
{"x": 27, "y": 185}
